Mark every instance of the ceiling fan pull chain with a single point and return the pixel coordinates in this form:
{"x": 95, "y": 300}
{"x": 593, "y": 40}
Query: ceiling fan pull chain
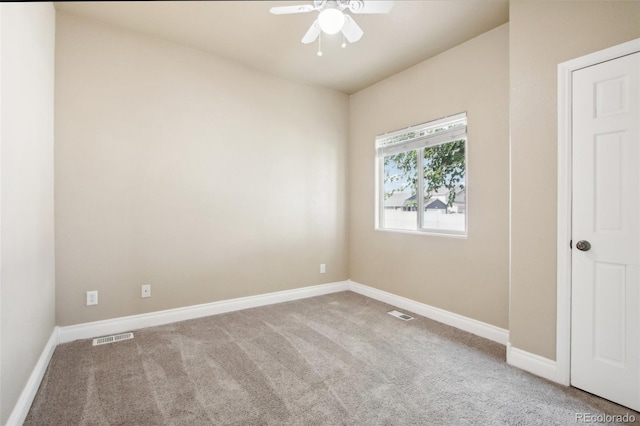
{"x": 320, "y": 44}
{"x": 344, "y": 42}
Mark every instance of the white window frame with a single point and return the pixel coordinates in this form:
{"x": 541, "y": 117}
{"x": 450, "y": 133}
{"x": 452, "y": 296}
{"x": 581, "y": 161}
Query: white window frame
{"x": 423, "y": 139}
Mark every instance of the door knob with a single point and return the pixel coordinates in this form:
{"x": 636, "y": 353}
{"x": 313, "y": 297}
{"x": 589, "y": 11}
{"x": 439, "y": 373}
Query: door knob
{"x": 583, "y": 245}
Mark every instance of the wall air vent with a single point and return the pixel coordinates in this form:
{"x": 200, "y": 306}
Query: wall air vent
{"x": 111, "y": 339}
{"x": 400, "y": 315}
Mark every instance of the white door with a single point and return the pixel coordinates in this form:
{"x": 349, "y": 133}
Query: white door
{"x": 605, "y": 294}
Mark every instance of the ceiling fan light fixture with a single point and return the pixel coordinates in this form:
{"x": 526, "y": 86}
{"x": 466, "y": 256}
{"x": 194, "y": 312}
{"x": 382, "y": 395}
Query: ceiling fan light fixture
{"x": 331, "y": 20}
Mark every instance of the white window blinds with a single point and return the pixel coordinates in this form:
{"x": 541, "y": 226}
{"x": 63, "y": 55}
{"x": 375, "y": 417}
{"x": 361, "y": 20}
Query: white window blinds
{"x": 435, "y": 132}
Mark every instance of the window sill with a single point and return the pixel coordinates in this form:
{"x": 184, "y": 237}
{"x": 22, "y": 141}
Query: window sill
{"x": 425, "y": 233}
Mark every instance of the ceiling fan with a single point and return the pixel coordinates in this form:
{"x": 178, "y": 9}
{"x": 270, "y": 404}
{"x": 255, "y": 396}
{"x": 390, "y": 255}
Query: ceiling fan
{"x": 332, "y": 18}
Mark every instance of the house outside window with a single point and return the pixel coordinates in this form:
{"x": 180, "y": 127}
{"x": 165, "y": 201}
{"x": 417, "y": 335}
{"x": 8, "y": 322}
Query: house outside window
{"x": 428, "y": 159}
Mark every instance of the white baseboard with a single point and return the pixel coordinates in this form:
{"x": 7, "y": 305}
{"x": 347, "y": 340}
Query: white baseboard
{"x": 479, "y": 328}
{"x": 134, "y": 322}
{"x": 535, "y": 364}
{"x": 21, "y": 409}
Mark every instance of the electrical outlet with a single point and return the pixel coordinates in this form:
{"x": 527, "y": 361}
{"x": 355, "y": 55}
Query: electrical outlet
{"x": 146, "y": 290}
{"x": 92, "y": 297}
{"x": 323, "y": 268}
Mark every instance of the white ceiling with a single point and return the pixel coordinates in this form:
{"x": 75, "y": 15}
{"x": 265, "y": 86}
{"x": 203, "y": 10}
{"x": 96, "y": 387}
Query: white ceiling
{"x": 245, "y": 31}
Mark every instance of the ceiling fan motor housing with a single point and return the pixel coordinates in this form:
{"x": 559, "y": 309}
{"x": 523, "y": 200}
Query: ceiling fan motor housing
{"x": 352, "y": 5}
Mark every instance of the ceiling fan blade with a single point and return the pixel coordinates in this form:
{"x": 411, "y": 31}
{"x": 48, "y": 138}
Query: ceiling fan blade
{"x": 286, "y": 10}
{"x": 370, "y": 6}
{"x": 312, "y": 33}
{"x": 351, "y": 30}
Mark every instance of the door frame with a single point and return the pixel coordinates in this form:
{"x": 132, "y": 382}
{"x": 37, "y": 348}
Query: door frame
{"x": 565, "y": 79}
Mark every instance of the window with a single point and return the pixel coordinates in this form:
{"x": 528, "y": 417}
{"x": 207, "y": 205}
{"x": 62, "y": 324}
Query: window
{"x": 427, "y": 159}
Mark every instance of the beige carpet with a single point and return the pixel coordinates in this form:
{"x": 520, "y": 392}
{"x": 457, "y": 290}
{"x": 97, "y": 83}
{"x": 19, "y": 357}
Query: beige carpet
{"x": 329, "y": 360}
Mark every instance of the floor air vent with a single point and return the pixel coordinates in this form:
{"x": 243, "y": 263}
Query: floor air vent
{"x": 400, "y": 315}
{"x": 111, "y": 339}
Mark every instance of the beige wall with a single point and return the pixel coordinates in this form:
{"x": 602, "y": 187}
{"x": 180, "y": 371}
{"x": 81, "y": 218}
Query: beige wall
{"x": 466, "y": 276}
{"x": 544, "y": 34}
{"x": 27, "y": 310}
{"x": 191, "y": 173}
